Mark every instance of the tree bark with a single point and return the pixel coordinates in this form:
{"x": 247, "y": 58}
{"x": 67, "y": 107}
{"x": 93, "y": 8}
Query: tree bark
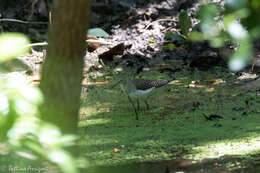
{"x": 63, "y": 66}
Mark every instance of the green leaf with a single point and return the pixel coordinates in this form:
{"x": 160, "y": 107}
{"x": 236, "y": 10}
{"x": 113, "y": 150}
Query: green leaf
{"x": 237, "y": 31}
{"x": 34, "y": 146}
{"x": 152, "y": 41}
{"x": 65, "y": 161}
{"x": 12, "y": 45}
{"x": 32, "y": 94}
{"x": 68, "y": 140}
{"x": 196, "y": 36}
{"x": 217, "y": 42}
{"x": 207, "y": 12}
{"x": 97, "y": 32}
{"x": 8, "y": 117}
{"x": 169, "y": 46}
{"x": 233, "y": 5}
{"x": 184, "y": 22}
{"x": 174, "y": 37}
{"x": 208, "y": 25}
{"x": 14, "y": 64}
{"x": 243, "y": 54}
{"x": 255, "y": 32}
{"x": 255, "y": 3}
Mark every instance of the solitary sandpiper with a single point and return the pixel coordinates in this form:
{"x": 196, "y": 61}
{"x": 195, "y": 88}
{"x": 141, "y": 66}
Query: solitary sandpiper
{"x": 141, "y": 89}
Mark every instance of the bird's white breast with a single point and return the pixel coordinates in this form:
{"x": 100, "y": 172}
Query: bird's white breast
{"x": 141, "y": 93}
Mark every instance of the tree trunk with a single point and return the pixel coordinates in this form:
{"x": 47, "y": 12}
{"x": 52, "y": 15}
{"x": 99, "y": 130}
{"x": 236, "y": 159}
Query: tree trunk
{"x": 63, "y": 66}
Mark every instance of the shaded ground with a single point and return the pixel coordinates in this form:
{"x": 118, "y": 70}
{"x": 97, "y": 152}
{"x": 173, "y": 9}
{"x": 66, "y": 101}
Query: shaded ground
{"x": 202, "y": 123}
{"x": 223, "y": 165}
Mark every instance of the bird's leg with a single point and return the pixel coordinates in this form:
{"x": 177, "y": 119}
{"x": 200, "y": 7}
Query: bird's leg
{"x": 132, "y": 103}
{"x": 147, "y": 105}
{"x": 136, "y": 111}
{"x": 138, "y": 104}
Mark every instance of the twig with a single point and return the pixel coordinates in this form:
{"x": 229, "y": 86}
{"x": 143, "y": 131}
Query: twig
{"x": 45, "y": 43}
{"x": 36, "y": 44}
{"x": 98, "y": 41}
{"x": 50, "y": 18}
{"x": 160, "y": 20}
{"x": 21, "y": 21}
{"x": 32, "y": 8}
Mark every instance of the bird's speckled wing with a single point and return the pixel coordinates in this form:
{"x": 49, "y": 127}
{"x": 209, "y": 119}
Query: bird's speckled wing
{"x": 144, "y": 84}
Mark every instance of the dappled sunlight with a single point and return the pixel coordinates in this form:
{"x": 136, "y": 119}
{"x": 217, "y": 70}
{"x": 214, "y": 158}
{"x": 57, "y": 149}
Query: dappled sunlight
{"x": 241, "y": 146}
{"x": 178, "y": 122}
{"x": 96, "y": 121}
{"x": 86, "y": 111}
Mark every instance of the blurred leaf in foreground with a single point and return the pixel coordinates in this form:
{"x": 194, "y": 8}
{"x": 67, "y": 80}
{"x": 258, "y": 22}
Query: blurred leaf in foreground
{"x": 12, "y": 45}
{"x": 241, "y": 57}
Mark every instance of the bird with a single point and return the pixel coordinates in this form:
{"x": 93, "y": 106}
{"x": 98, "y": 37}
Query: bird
{"x": 138, "y": 88}
{"x": 142, "y": 88}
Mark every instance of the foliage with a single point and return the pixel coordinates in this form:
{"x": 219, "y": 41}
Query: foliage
{"x": 20, "y": 126}
{"x": 235, "y": 23}
{"x": 174, "y": 37}
{"x": 97, "y": 32}
{"x": 11, "y": 45}
{"x": 184, "y": 22}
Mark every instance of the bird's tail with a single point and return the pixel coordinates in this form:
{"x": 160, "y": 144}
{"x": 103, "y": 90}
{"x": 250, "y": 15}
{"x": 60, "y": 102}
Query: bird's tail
{"x": 171, "y": 80}
{"x": 161, "y": 83}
